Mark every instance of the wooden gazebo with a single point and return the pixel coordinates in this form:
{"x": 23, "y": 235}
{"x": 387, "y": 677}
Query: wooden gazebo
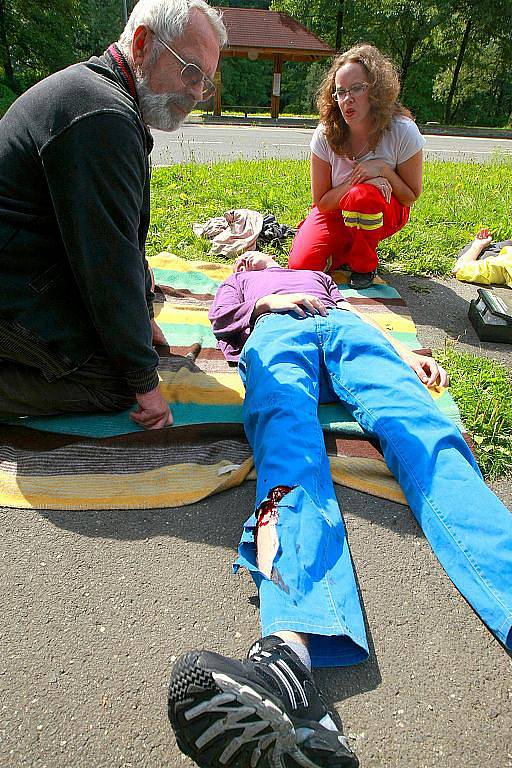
{"x": 259, "y": 34}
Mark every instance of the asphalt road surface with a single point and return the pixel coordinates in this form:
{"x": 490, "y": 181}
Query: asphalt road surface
{"x": 97, "y": 605}
{"x": 210, "y": 143}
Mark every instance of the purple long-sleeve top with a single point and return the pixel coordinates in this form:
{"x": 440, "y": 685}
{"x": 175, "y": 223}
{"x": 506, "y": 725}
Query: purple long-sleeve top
{"x": 233, "y": 305}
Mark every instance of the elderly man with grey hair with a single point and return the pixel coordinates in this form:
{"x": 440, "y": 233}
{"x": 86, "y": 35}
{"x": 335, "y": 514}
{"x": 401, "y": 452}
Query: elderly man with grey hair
{"x": 76, "y": 327}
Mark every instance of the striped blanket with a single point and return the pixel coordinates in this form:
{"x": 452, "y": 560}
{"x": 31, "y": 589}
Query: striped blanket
{"x": 107, "y": 462}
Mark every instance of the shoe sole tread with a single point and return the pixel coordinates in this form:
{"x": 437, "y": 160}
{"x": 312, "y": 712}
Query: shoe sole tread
{"x": 204, "y": 703}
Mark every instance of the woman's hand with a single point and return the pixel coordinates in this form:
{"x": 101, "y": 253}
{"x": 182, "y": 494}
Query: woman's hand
{"x": 302, "y": 304}
{"x": 368, "y": 169}
{"x": 426, "y": 369}
{"x": 383, "y": 186}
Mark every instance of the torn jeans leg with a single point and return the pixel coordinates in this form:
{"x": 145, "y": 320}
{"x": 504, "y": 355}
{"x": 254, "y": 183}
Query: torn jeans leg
{"x": 304, "y": 578}
{"x": 265, "y": 534}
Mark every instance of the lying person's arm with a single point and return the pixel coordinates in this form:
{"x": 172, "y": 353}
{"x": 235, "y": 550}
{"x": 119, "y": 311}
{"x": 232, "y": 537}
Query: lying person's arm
{"x": 230, "y": 315}
{"x": 426, "y": 368}
{"x": 300, "y": 303}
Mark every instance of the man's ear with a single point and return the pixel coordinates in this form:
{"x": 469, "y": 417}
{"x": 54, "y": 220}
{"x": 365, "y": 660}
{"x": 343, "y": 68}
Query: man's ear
{"x": 140, "y": 44}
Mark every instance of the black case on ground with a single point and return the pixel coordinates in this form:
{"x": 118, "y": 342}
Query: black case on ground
{"x": 491, "y": 315}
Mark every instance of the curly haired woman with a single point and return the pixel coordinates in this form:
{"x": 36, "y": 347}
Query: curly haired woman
{"x": 366, "y": 167}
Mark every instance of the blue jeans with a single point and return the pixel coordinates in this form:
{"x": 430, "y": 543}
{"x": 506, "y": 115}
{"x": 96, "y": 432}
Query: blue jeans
{"x": 288, "y": 366}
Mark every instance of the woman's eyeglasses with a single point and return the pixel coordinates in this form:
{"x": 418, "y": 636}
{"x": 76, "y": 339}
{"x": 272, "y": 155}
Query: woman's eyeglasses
{"x": 355, "y": 90}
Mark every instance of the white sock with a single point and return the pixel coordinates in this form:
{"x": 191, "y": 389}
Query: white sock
{"x": 301, "y": 651}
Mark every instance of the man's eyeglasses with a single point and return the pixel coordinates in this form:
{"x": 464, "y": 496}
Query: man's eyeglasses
{"x": 191, "y": 75}
{"x": 355, "y": 90}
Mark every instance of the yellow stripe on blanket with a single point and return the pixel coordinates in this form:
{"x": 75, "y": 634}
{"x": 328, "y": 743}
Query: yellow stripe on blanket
{"x": 184, "y": 386}
{"x": 390, "y": 321}
{"x": 367, "y": 475}
{"x": 169, "y": 261}
{"x": 181, "y": 314}
{"x": 436, "y": 392}
{"x": 171, "y": 486}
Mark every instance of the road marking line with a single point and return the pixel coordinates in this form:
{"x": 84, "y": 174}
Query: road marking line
{"x": 463, "y": 138}
{"x": 195, "y": 141}
{"x": 466, "y": 151}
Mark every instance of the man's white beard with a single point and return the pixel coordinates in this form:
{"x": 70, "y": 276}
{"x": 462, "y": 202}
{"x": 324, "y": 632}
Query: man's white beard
{"x": 157, "y": 108}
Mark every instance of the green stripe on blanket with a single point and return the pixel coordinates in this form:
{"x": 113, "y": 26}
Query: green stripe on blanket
{"x": 195, "y": 282}
{"x": 186, "y": 334}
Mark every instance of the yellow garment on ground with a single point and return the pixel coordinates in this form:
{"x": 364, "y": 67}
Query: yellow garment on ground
{"x": 494, "y": 269}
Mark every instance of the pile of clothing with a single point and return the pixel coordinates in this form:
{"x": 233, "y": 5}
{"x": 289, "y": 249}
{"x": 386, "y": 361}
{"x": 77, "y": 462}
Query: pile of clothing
{"x": 274, "y": 233}
{"x": 240, "y": 229}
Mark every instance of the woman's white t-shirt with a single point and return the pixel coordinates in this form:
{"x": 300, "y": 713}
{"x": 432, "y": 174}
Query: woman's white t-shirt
{"x": 399, "y": 143}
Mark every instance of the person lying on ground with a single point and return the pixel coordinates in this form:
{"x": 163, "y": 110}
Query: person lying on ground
{"x": 484, "y": 261}
{"x": 366, "y": 167}
{"x": 300, "y": 344}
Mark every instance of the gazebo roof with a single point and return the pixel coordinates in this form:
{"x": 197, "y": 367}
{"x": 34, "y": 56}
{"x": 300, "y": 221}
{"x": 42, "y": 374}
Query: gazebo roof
{"x": 268, "y": 33}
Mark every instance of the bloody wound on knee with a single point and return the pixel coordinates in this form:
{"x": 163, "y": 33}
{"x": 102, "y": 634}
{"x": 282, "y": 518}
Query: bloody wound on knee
{"x": 267, "y": 511}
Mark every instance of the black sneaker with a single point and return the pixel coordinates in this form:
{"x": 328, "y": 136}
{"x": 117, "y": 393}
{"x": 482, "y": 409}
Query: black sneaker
{"x": 361, "y": 280}
{"x": 264, "y": 712}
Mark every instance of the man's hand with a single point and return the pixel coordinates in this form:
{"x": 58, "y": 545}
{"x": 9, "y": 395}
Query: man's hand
{"x": 301, "y": 303}
{"x": 153, "y": 410}
{"x": 158, "y": 336}
{"x": 426, "y": 369}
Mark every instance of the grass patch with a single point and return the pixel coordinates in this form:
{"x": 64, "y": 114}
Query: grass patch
{"x": 483, "y": 391}
{"x": 457, "y": 200}
{"x": 184, "y": 194}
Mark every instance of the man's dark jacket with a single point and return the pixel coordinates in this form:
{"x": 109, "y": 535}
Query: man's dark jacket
{"x": 74, "y": 214}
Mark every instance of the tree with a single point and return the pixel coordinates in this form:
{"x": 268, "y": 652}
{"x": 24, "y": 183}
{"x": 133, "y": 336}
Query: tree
{"x": 98, "y": 23}
{"x": 486, "y": 25}
{"x": 5, "y": 50}
{"x": 36, "y": 37}
{"x": 246, "y": 83}
{"x": 401, "y": 28}
{"x": 456, "y": 71}
{"x": 319, "y": 16}
{"x": 483, "y": 94}
{"x": 339, "y": 24}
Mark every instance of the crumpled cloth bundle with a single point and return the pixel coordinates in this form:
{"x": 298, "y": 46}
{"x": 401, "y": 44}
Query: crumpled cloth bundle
{"x": 273, "y": 232}
{"x": 233, "y": 233}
